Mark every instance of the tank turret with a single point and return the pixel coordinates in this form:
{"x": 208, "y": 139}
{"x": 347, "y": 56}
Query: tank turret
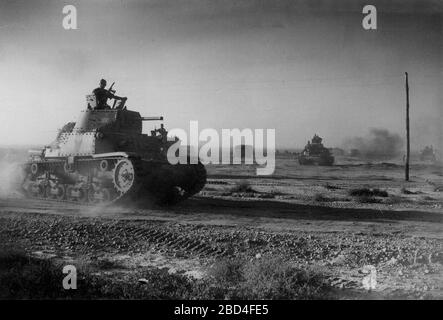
{"x": 106, "y": 131}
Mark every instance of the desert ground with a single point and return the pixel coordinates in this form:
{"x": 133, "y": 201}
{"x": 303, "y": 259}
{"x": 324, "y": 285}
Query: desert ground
{"x": 345, "y": 223}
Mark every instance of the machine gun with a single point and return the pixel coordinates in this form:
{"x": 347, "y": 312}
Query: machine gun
{"x": 123, "y": 101}
{"x": 110, "y": 88}
{"x": 111, "y": 91}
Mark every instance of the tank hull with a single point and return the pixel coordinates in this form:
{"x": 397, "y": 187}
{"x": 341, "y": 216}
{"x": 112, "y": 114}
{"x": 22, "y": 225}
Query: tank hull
{"x": 112, "y": 179}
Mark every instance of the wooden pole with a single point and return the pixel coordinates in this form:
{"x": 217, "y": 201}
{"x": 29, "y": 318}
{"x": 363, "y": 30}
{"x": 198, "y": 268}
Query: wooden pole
{"x": 407, "y": 130}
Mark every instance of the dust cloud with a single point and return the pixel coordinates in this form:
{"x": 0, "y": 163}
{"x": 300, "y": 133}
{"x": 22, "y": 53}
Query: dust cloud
{"x": 11, "y": 174}
{"x": 379, "y": 144}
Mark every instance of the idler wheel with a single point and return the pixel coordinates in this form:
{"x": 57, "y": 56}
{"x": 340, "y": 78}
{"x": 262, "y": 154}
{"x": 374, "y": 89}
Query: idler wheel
{"x": 124, "y": 175}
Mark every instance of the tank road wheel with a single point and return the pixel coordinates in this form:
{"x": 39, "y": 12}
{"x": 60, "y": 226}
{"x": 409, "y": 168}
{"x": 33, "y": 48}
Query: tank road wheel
{"x": 58, "y": 192}
{"x": 124, "y": 175}
{"x": 106, "y": 195}
{"x": 76, "y": 194}
{"x": 35, "y": 190}
{"x": 29, "y": 190}
{"x": 41, "y": 191}
{"x": 49, "y": 192}
{"x": 61, "y": 192}
{"x": 71, "y": 193}
{"x": 83, "y": 195}
{"x": 103, "y": 195}
{"x": 91, "y": 195}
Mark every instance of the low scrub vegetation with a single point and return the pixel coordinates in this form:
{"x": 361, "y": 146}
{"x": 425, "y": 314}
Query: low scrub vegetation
{"x": 368, "y": 199}
{"x": 243, "y": 187}
{"x": 397, "y": 199}
{"x": 265, "y": 278}
{"x": 367, "y": 192}
{"x": 332, "y": 187}
{"x": 26, "y": 277}
{"x": 407, "y": 191}
{"x": 319, "y": 197}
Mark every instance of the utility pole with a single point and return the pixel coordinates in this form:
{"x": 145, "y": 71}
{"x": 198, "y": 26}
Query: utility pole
{"x": 407, "y": 130}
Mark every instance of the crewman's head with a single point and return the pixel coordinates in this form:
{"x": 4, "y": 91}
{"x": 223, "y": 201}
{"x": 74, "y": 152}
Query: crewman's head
{"x": 102, "y": 83}
{"x": 161, "y": 125}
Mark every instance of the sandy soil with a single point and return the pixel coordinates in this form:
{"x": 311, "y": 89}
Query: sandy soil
{"x": 304, "y": 213}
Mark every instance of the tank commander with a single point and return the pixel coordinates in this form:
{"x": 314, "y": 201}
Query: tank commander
{"x": 102, "y": 95}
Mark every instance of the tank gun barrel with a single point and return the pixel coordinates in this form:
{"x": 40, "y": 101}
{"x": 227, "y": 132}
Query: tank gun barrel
{"x": 33, "y": 151}
{"x": 152, "y": 118}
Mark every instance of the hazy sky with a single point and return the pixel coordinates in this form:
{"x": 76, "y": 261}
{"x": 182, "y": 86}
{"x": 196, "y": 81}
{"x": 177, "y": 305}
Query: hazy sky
{"x": 301, "y": 67}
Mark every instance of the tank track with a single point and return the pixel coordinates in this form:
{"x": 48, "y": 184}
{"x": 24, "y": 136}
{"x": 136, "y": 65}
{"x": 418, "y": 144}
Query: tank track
{"x": 316, "y": 160}
{"x": 110, "y": 180}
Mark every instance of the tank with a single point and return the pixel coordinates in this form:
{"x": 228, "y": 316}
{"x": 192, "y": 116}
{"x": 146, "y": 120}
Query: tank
{"x": 104, "y": 157}
{"x": 428, "y": 154}
{"x": 315, "y": 153}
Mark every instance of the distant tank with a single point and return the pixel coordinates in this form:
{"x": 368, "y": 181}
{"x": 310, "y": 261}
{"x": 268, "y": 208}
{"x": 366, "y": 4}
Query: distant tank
{"x": 315, "y": 153}
{"x": 428, "y": 154}
{"x": 104, "y": 157}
